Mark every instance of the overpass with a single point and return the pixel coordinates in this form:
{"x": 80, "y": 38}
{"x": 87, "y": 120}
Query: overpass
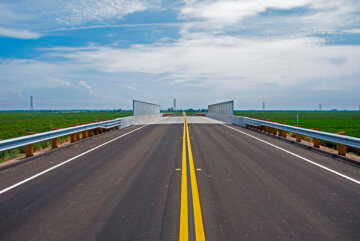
{"x": 181, "y": 178}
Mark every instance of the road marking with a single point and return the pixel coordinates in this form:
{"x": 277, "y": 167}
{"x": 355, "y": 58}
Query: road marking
{"x": 71, "y": 159}
{"x": 298, "y": 156}
{"x": 184, "y": 219}
{"x": 199, "y": 226}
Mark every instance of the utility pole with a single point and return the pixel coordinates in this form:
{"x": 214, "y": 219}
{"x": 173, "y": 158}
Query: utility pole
{"x": 31, "y": 104}
{"x": 297, "y": 118}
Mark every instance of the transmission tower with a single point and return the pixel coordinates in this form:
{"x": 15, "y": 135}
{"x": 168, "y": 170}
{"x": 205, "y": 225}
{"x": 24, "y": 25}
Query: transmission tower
{"x": 174, "y": 104}
{"x": 263, "y": 105}
{"x": 31, "y": 104}
{"x": 319, "y": 107}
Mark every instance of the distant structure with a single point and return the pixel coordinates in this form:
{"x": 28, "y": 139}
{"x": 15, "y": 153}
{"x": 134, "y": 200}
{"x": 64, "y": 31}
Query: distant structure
{"x": 263, "y": 104}
{"x": 359, "y": 107}
{"x": 319, "y": 107}
{"x": 31, "y": 103}
{"x": 174, "y": 104}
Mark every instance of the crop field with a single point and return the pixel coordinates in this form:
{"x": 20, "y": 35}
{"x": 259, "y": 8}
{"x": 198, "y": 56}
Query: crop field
{"x": 348, "y": 121}
{"x": 15, "y": 124}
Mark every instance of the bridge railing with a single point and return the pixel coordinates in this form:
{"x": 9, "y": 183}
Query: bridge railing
{"x": 74, "y": 132}
{"x": 282, "y": 129}
{"x": 50, "y": 135}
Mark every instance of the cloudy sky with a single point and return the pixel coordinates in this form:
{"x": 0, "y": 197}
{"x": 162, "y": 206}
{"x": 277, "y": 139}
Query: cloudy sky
{"x": 101, "y": 54}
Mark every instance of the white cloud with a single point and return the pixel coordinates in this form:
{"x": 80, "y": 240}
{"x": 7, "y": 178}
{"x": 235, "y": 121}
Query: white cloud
{"x": 225, "y": 47}
{"x": 59, "y": 82}
{"x": 47, "y": 16}
{"x": 229, "y": 63}
{"x": 353, "y": 31}
{"x": 314, "y": 16}
{"x": 231, "y": 11}
{"x": 132, "y": 88}
{"x": 22, "y": 73}
{"x": 18, "y": 33}
{"x": 84, "y": 84}
{"x": 82, "y": 11}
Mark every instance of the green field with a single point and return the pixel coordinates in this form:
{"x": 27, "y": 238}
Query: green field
{"x": 15, "y": 124}
{"x": 348, "y": 121}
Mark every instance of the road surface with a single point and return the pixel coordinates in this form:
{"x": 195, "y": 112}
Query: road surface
{"x": 137, "y": 184}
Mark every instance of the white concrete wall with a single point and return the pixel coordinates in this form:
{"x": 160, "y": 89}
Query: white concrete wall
{"x": 224, "y": 108}
{"x": 139, "y": 120}
{"x": 236, "y": 120}
{"x": 144, "y": 108}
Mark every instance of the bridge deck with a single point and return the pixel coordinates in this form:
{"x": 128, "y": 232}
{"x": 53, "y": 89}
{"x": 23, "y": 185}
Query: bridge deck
{"x": 130, "y": 188}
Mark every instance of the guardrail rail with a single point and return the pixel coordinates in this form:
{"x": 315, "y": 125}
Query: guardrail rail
{"x": 281, "y": 130}
{"x": 73, "y": 132}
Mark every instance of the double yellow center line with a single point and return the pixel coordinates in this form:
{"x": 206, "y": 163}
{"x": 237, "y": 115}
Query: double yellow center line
{"x": 184, "y": 209}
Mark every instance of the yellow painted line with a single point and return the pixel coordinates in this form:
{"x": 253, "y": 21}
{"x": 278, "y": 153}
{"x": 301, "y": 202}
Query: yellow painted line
{"x": 184, "y": 220}
{"x": 199, "y": 226}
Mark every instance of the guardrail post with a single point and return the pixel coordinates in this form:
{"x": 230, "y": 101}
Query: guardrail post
{"x": 298, "y": 136}
{"x": 99, "y": 130}
{"x": 84, "y": 135}
{"x": 77, "y": 135}
{"x": 342, "y": 149}
{"x": 316, "y": 142}
{"x": 30, "y": 148}
{"x": 278, "y": 131}
{"x": 72, "y": 136}
{"x": 268, "y": 129}
{"x": 54, "y": 142}
{"x": 90, "y": 133}
{"x": 283, "y": 133}
{"x": 275, "y": 131}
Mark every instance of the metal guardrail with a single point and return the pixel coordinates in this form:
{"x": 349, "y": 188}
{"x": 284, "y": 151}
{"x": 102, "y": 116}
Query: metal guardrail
{"x": 335, "y": 138}
{"x": 45, "y": 136}
{"x": 246, "y": 121}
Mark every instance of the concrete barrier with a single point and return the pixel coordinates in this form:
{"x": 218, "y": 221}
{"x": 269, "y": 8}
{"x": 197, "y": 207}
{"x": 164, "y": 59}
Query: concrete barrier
{"x": 139, "y": 120}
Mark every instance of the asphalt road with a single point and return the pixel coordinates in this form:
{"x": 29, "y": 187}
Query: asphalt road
{"x": 130, "y": 188}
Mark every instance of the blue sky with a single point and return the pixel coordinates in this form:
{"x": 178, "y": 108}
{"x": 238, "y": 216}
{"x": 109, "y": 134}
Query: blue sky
{"x": 101, "y": 54}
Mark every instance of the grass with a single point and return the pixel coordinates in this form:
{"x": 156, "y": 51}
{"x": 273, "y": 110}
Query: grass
{"x": 15, "y": 124}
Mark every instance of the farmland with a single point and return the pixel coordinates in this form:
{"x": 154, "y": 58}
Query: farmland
{"x": 348, "y": 121}
{"x": 15, "y": 124}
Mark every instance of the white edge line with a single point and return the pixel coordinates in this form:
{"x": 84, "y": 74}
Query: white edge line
{"x": 71, "y": 159}
{"x": 298, "y": 156}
